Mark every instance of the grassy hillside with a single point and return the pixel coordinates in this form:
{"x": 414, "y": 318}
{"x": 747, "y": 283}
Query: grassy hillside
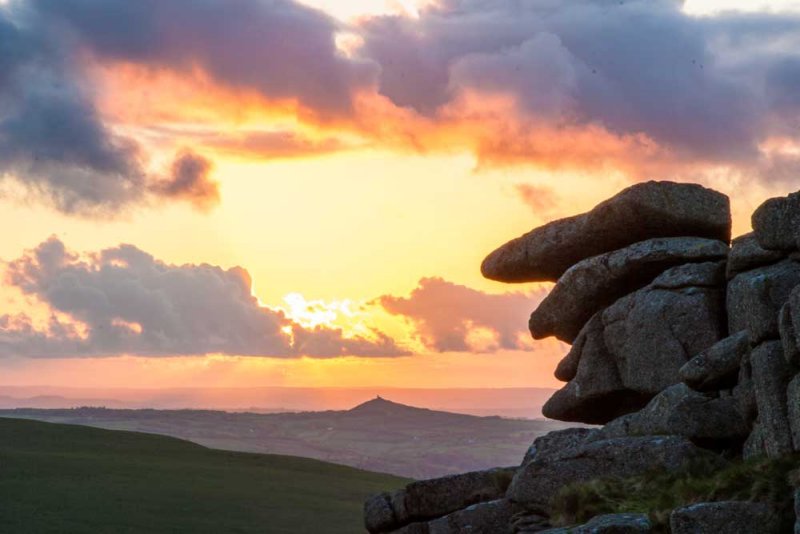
{"x": 378, "y": 435}
{"x": 64, "y": 478}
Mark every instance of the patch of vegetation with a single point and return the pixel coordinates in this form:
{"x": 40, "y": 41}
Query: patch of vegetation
{"x": 657, "y": 493}
{"x": 65, "y": 478}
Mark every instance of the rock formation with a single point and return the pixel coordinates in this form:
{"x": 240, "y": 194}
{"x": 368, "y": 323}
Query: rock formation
{"x": 686, "y": 347}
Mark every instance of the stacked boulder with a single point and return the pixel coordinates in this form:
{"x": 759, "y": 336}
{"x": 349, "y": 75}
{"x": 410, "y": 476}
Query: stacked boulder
{"x": 684, "y": 346}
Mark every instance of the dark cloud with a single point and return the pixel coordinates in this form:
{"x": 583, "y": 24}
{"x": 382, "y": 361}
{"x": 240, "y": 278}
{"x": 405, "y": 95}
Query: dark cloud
{"x": 703, "y": 87}
{"x": 629, "y": 84}
{"x": 447, "y": 315}
{"x": 280, "y": 48}
{"x": 124, "y": 301}
{"x": 189, "y": 180}
{"x": 52, "y": 138}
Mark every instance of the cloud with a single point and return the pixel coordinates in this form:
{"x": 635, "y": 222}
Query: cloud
{"x": 541, "y": 199}
{"x": 124, "y": 301}
{"x": 673, "y": 89}
{"x": 52, "y": 138}
{"x": 280, "y": 48}
{"x": 270, "y": 145}
{"x": 189, "y": 180}
{"x": 451, "y": 317}
{"x": 639, "y": 87}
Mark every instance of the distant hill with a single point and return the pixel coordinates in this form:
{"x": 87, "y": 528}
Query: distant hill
{"x": 378, "y": 435}
{"x": 506, "y": 402}
{"x": 66, "y": 478}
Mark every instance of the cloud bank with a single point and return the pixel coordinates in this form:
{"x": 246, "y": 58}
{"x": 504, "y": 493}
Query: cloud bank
{"x": 124, "y": 301}
{"x": 638, "y": 87}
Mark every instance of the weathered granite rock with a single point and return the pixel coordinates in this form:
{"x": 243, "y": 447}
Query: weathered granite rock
{"x": 727, "y": 517}
{"x": 797, "y": 511}
{"x": 491, "y": 517}
{"x": 754, "y": 445}
{"x": 596, "y": 282}
{"x": 596, "y": 394}
{"x": 789, "y": 327}
{"x": 379, "y": 515}
{"x": 609, "y": 524}
{"x": 526, "y": 522}
{"x": 775, "y": 222}
{"x": 413, "y": 528}
{"x": 424, "y": 500}
{"x": 793, "y": 404}
{"x": 771, "y": 376}
{"x": 746, "y": 254}
{"x": 635, "y": 348}
{"x": 718, "y": 366}
{"x": 755, "y": 299}
{"x": 653, "y": 332}
{"x": 536, "y": 483}
{"x": 788, "y": 332}
{"x": 556, "y": 444}
{"x": 680, "y": 411}
{"x": 744, "y": 392}
{"x": 643, "y": 211}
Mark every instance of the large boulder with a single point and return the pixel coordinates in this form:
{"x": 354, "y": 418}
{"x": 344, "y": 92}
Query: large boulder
{"x": 771, "y": 376}
{"x": 775, "y": 222}
{"x": 491, "y": 517}
{"x": 537, "y": 482}
{"x": 594, "y": 283}
{"x": 678, "y": 410}
{"x": 746, "y": 254}
{"x": 609, "y": 524}
{"x": 635, "y": 348}
{"x": 726, "y": 517}
{"x": 643, "y": 211}
{"x": 718, "y": 366}
{"x": 755, "y": 299}
{"x": 653, "y": 332}
{"x": 596, "y": 394}
{"x": 424, "y": 500}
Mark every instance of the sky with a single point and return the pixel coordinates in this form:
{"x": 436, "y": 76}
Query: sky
{"x": 273, "y": 192}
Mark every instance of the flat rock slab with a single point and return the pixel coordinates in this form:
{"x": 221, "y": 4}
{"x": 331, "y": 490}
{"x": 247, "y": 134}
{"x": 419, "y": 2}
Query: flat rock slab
{"x": 597, "y": 282}
{"x": 775, "y": 223}
{"x": 718, "y": 366}
{"x": 640, "y": 212}
{"x": 609, "y": 524}
{"x": 536, "y": 483}
{"x": 746, "y": 254}
{"x": 681, "y": 411}
{"x": 727, "y": 517}
{"x": 557, "y": 444}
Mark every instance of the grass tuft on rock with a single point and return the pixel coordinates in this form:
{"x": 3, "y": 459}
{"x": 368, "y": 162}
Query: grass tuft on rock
{"x": 657, "y": 493}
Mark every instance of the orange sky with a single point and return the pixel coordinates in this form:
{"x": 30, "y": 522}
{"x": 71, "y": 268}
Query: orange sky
{"x": 342, "y": 211}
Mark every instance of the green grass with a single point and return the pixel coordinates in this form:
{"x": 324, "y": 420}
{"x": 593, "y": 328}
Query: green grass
{"x": 658, "y": 493}
{"x": 74, "y": 479}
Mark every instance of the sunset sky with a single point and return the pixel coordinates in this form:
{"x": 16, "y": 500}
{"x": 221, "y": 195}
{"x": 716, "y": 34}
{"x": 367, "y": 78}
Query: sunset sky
{"x": 272, "y": 192}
